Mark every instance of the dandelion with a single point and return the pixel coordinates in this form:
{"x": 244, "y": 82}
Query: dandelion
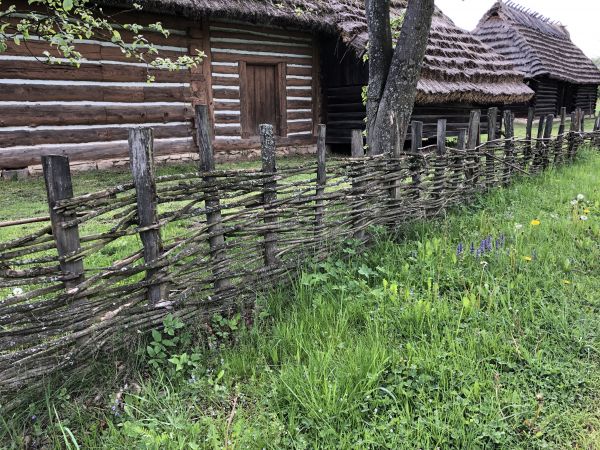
{"x": 574, "y": 202}
{"x": 527, "y": 258}
{"x": 584, "y": 218}
{"x": 535, "y": 222}
{"x": 566, "y": 282}
{"x": 586, "y": 211}
{"x": 580, "y": 197}
{"x": 17, "y": 291}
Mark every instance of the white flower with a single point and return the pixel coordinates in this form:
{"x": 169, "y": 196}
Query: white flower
{"x": 573, "y": 202}
{"x": 518, "y": 226}
{"x": 17, "y": 292}
{"x": 580, "y": 197}
{"x": 583, "y": 218}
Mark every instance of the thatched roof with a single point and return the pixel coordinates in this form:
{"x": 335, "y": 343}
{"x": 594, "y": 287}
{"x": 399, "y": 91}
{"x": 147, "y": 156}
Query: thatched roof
{"x": 457, "y": 66}
{"x": 535, "y": 44}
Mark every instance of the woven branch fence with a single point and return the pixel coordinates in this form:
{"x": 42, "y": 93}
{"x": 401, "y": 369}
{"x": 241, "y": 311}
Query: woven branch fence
{"x": 109, "y": 264}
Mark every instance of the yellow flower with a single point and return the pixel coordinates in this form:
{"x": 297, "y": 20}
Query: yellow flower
{"x": 527, "y": 258}
{"x": 566, "y": 282}
{"x": 586, "y": 211}
{"x": 535, "y": 222}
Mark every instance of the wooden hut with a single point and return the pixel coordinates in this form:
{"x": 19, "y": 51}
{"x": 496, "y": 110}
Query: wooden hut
{"x": 555, "y": 68}
{"x": 265, "y": 62}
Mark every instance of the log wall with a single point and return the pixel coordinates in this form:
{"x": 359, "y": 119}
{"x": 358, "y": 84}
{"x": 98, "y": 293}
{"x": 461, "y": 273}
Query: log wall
{"x": 85, "y": 112}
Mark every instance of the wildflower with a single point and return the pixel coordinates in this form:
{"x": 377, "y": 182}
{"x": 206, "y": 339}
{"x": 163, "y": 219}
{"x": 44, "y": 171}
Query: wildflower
{"x": 518, "y": 226}
{"x": 566, "y": 282}
{"x": 17, "y": 291}
{"x": 580, "y": 197}
{"x": 586, "y": 211}
{"x": 584, "y": 218}
{"x": 459, "y": 249}
{"x": 573, "y": 202}
{"x": 527, "y": 258}
{"x": 33, "y": 418}
{"x": 535, "y": 222}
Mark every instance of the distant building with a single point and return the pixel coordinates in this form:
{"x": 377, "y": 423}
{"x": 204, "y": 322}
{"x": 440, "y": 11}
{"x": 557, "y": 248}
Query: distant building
{"x": 555, "y": 68}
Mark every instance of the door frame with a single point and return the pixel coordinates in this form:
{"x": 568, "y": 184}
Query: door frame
{"x": 280, "y": 95}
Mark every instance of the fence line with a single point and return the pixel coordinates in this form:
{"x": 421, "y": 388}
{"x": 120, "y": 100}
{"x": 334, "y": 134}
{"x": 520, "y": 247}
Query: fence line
{"x": 211, "y": 239}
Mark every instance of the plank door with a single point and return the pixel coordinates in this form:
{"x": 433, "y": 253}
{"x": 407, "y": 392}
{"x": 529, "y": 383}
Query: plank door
{"x": 262, "y": 98}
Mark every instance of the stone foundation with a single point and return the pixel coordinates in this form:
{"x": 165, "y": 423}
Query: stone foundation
{"x": 221, "y": 156}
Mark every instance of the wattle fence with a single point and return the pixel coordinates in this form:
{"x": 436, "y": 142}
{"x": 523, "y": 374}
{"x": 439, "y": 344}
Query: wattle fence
{"x": 110, "y": 264}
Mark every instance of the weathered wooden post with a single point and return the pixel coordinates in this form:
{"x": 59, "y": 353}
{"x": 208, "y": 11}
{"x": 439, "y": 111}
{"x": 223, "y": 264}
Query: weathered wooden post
{"x": 472, "y": 139}
{"x": 539, "y": 144}
{"x": 439, "y": 182}
{"x": 142, "y": 168}
{"x": 528, "y": 137}
{"x": 457, "y": 171}
{"x": 558, "y": 148}
{"x": 269, "y": 168}
{"x": 59, "y": 186}
{"x": 571, "y": 137}
{"x": 508, "y": 146}
{"x": 321, "y": 178}
{"x": 357, "y": 150}
{"x": 547, "y": 140}
{"x": 491, "y": 145}
{"x": 415, "y": 149}
{"x": 216, "y": 239}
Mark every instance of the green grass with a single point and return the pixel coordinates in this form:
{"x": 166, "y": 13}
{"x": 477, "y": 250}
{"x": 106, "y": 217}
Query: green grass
{"x": 405, "y": 346}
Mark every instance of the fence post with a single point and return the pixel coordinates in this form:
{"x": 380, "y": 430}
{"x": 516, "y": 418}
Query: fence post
{"x": 508, "y": 146}
{"x": 216, "y": 239}
{"x": 538, "y": 144}
{"x": 490, "y": 163}
{"x": 267, "y": 142}
{"x": 321, "y": 178}
{"x": 547, "y": 140}
{"x": 142, "y": 168}
{"x": 472, "y": 139}
{"x": 558, "y": 147}
{"x": 357, "y": 150}
{"x": 440, "y": 164}
{"x": 528, "y": 137}
{"x": 457, "y": 164}
{"x": 416, "y": 142}
{"x": 571, "y": 136}
{"x": 59, "y": 186}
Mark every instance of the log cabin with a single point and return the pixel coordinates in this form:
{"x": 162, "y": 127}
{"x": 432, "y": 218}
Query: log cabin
{"x": 294, "y": 64}
{"x": 554, "y": 67}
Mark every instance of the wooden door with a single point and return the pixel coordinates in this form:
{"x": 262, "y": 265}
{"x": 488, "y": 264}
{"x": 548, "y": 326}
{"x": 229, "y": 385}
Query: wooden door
{"x": 262, "y": 98}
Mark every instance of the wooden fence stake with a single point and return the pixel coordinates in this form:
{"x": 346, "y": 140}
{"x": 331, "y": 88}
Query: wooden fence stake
{"x": 59, "y": 186}
{"x": 508, "y": 146}
{"x": 571, "y": 136}
{"x": 528, "y": 137}
{"x": 357, "y": 150}
{"x": 490, "y": 162}
{"x": 457, "y": 164}
{"x": 439, "y": 178}
{"x": 321, "y": 178}
{"x": 473, "y": 135}
{"x": 216, "y": 240}
{"x": 538, "y": 144}
{"x": 416, "y": 142}
{"x": 547, "y": 143}
{"x": 558, "y": 147}
{"x": 267, "y": 141}
{"x": 141, "y": 154}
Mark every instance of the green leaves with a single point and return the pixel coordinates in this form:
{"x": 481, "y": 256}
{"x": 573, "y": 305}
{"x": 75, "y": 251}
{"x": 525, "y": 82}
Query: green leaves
{"x": 67, "y": 5}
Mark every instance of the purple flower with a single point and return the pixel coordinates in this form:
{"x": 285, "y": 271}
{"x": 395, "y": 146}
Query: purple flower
{"x": 33, "y": 418}
{"x": 459, "y": 249}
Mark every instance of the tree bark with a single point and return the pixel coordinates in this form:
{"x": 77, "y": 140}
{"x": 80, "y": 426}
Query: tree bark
{"x": 400, "y": 91}
{"x": 380, "y": 57}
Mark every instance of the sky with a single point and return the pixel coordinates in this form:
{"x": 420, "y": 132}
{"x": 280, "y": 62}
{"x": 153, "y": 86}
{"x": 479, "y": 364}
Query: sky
{"x": 582, "y": 17}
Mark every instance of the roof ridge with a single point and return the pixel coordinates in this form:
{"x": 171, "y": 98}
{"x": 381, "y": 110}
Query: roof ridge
{"x": 536, "y": 15}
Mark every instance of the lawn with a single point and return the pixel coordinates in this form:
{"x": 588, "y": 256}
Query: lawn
{"x": 421, "y": 342}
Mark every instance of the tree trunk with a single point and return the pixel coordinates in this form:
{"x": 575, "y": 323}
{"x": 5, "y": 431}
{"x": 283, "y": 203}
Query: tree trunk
{"x": 380, "y": 57}
{"x": 398, "y": 96}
